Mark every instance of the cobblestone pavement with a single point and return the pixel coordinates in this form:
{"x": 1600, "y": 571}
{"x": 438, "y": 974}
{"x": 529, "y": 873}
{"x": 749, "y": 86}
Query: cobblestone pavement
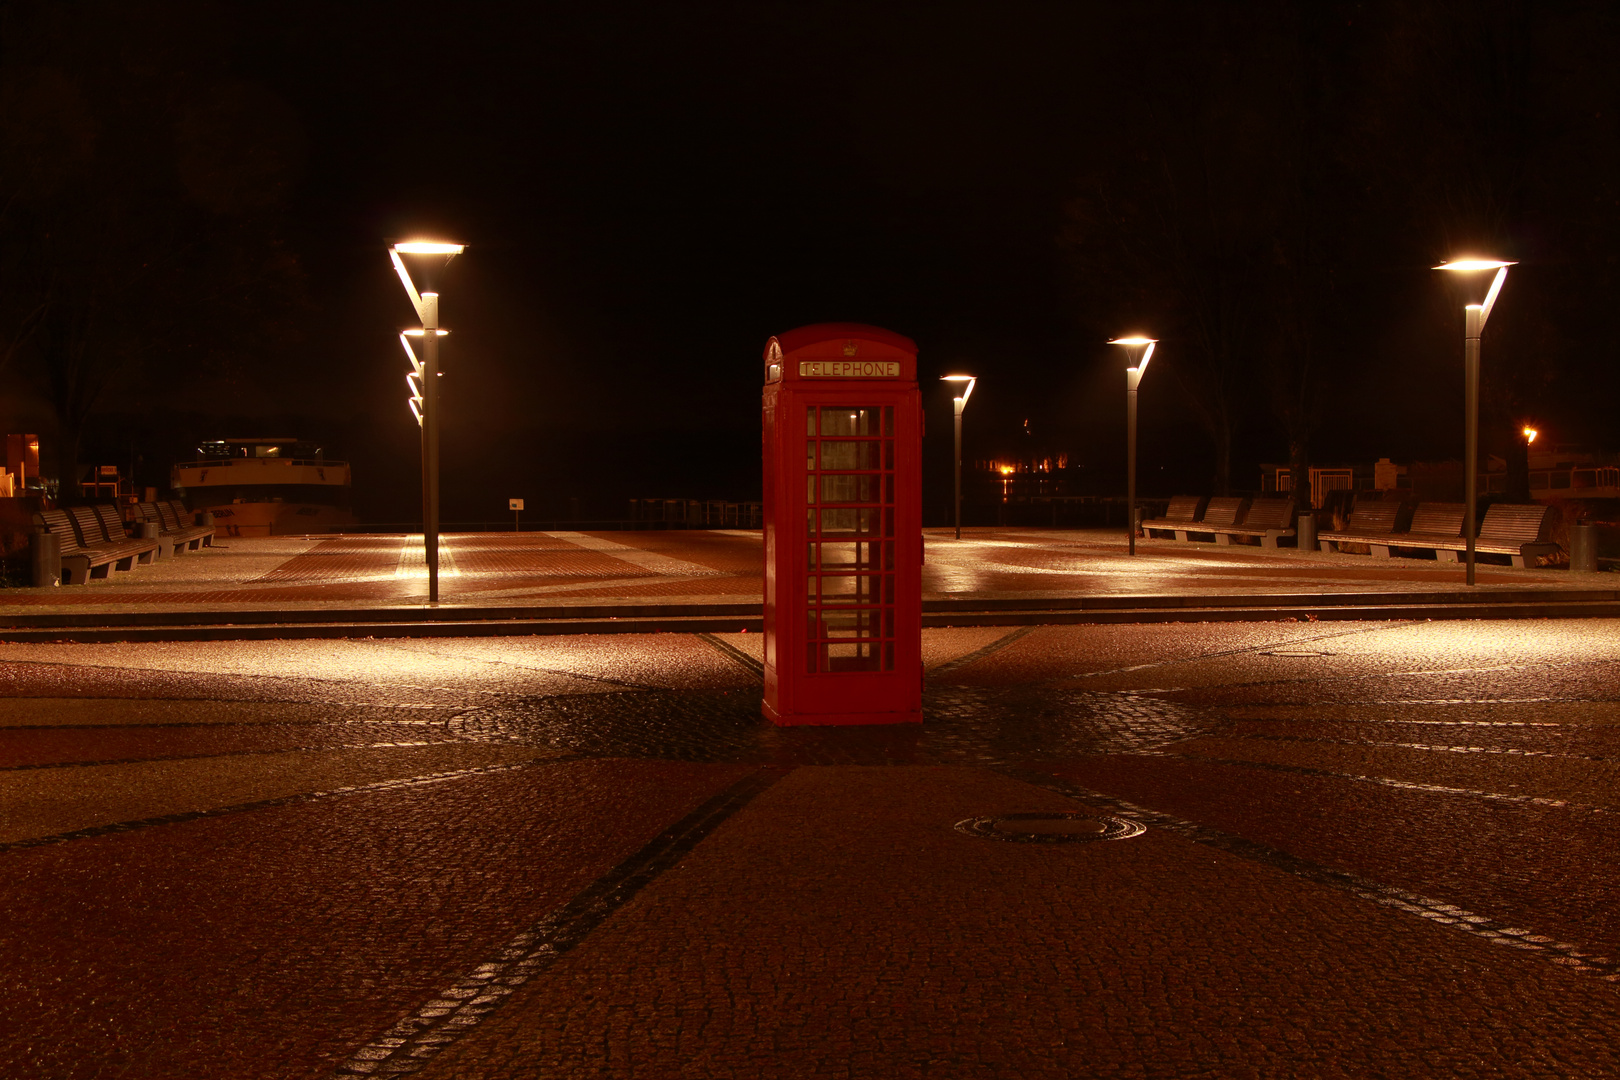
{"x": 1367, "y": 849}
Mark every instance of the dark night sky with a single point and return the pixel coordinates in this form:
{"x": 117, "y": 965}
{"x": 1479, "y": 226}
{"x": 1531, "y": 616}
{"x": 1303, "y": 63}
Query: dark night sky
{"x": 650, "y": 191}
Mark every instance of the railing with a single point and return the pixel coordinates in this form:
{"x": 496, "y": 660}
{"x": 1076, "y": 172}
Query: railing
{"x": 590, "y": 525}
{"x": 697, "y": 513}
{"x": 221, "y": 462}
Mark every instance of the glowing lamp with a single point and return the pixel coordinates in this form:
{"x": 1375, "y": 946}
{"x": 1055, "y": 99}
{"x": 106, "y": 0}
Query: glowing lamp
{"x": 429, "y": 247}
{"x": 960, "y": 403}
{"x": 1474, "y": 318}
{"x": 967, "y": 391}
{"x": 1133, "y": 379}
{"x": 423, "y": 383}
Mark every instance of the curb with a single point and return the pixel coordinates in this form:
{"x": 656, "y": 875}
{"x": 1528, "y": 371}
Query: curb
{"x": 707, "y": 619}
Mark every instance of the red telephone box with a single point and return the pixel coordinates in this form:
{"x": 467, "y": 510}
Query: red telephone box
{"x": 843, "y": 527}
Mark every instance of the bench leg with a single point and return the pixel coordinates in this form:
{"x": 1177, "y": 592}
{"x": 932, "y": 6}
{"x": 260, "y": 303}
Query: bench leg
{"x": 1224, "y": 539}
{"x": 1270, "y": 540}
{"x": 1445, "y": 555}
{"x": 1380, "y": 550}
{"x": 1518, "y": 560}
{"x": 1181, "y": 534}
{"x": 99, "y": 573}
{"x": 146, "y": 557}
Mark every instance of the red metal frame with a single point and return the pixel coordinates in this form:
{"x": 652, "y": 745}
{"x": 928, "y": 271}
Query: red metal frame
{"x": 843, "y": 527}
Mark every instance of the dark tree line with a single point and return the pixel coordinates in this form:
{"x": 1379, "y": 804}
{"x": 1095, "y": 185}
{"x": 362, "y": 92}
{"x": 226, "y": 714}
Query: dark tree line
{"x": 142, "y": 231}
{"x": 1292, "y": 169}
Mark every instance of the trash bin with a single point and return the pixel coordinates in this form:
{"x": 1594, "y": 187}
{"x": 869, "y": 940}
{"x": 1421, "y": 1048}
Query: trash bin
{"x": 148, "y": 530}
{"x": 1583, "y": 549}
{"x": 45, "y": 556}
{"x": 1305, "y": 530}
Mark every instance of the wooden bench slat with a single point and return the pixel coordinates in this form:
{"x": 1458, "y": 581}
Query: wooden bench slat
{"x": 1223, "y": 510}
{"x": 1437, "y": 519}
{"x": 1526, "y": 524}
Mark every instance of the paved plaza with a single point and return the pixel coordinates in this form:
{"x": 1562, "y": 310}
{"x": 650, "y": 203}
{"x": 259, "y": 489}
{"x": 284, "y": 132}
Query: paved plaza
{"x": 1349, "y": 849}
{"x": 547, "y": 582}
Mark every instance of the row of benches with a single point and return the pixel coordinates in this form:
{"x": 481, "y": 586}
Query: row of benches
{"x": 93, "y": 540}
{"x": 1518, "y": 531}
{"x": 1224, "y": 518}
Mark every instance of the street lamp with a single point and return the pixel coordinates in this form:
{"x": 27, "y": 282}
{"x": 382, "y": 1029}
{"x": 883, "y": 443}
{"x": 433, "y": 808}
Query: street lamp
{"x": 960, "y": 403}
{"x": 424, "y": 385}
{"x": 1474, "y": 316}
{"x": 1133, "y": 379}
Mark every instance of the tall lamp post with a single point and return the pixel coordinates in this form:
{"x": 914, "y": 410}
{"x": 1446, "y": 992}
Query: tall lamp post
{"x": 1474, "y": 317}
{"x": 961, "y": 403}
{"x": 1133, "y": 379}
{"x": 424, "y": 384}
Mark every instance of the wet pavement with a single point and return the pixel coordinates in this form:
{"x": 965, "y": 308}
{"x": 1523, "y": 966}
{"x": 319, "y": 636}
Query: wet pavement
{"x": 696, "y": 567}
{"x": 1360, "y": 849}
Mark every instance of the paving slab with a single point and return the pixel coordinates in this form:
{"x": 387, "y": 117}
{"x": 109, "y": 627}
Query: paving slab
{"x": 1370, "y": 849}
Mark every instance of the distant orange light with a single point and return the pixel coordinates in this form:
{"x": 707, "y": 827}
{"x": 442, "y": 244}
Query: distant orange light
{"x": 1007, "y": 470}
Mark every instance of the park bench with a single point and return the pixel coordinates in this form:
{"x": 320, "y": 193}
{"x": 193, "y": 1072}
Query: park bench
{"x": 114, "y": 529}
{"x": 1221, "y": 512}
{"x": 1183, "y": 512}
{"x": 1516, "y": 530}
{"x": 81, "y": 562}
{"x": 1433, "y": 526}
{"x": 1267, "y": 519}
{"x": 1372, "y": 523}
{"x": 101, "y": 524}
{"x": 170, "y": 517}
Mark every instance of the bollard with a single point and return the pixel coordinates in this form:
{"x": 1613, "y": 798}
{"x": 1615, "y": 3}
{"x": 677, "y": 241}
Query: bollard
{"x": 1583, "y": 549}
{"x": 45, "y": 555}
{"x": 148, "y": 530}
{"x": 1305, "y": 531}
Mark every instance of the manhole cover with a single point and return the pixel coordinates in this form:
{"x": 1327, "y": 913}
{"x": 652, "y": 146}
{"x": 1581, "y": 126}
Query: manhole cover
{"x": 1050, "y": 828}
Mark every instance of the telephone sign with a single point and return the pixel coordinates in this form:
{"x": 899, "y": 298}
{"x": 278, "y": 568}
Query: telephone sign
{"x": 843, "y": 527}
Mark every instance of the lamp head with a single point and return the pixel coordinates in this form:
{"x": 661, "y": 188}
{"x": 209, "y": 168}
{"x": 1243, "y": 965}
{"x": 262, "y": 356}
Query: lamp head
{"x": 1133, "y": 372}
{"x": 1529, "y": 434}
{"x": 431, "y": 257}
{"x": 967, "y": 391}
{"x": 1478, "y": 294}
{"x": 429, "y": 247}
{"x": 1471, "y": 265}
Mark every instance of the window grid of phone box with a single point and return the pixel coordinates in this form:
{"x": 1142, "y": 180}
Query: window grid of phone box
{"x": 849, "y": 493}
